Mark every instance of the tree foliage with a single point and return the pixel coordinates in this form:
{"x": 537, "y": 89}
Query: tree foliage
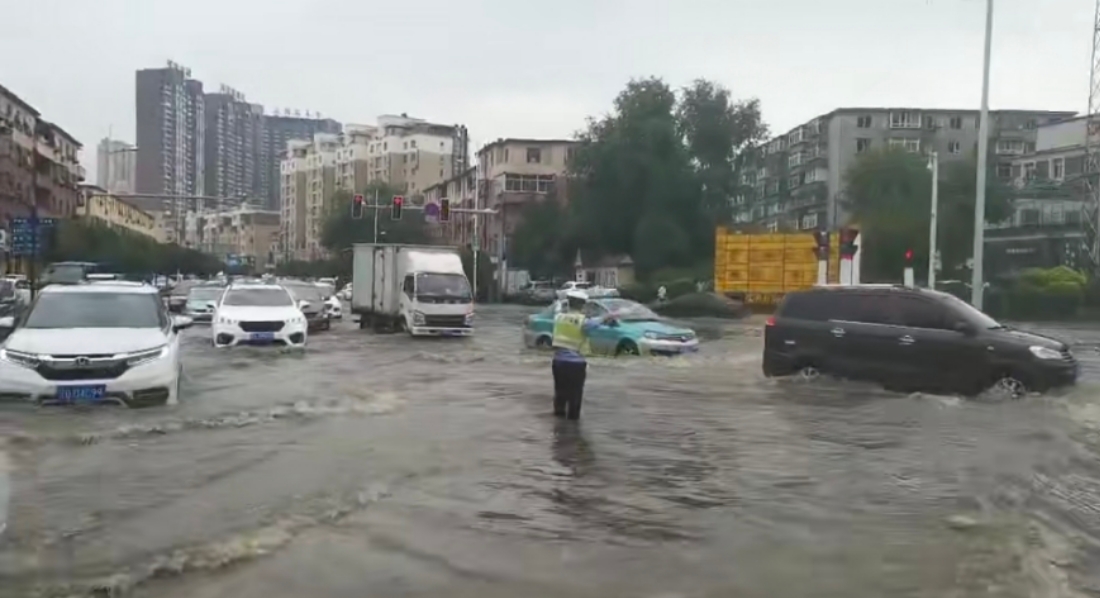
{"x": 124, "y": 251}
{"x": 650, "y": 180}
{"x": 889, "y": 193}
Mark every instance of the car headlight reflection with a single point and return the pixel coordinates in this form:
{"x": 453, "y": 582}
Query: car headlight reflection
{"x": 28, "y": 360}
{"x": 651, "y": 335}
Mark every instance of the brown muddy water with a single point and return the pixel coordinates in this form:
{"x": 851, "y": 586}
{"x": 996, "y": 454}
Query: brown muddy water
{"x": 386, "y": 466}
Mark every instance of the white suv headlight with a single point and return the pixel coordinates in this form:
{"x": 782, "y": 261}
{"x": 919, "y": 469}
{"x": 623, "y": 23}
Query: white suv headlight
{"x": 418, "y": 319}
{"x": 27, "y": 360}
{"x": 1044, "y": 352}
{"x": 143, "y": 357}
{"x": 222, "y": 320}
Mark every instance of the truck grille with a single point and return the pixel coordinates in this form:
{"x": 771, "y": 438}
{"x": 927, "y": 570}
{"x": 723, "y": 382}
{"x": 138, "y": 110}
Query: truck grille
{"x": 261, "y": 326}
{"x": 458, "y": 321}
{"x": 100, "y": 371}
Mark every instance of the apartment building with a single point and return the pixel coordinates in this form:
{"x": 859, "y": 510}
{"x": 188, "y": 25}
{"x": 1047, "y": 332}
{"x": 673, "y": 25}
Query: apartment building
{"x": 39, "y": 161}
{"x": 103, "y": 207}
{"x": 277, "y": 131}
{"x": 234, "y": 138}
{"x": 408, "y": 153}
{"x": 461, "y": 191}
{"x": 171, "y": 132}
{"x": 517, "y": 172}
{"x": 116, "y": 166}
{"x": 243, "y": 232}
{"x": 797, "y": 181}
{"x": 292, "y": 210}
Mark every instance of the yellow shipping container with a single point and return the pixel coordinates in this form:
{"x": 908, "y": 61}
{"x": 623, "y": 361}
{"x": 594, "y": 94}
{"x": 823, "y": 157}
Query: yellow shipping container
{"x": 764, "y": 267}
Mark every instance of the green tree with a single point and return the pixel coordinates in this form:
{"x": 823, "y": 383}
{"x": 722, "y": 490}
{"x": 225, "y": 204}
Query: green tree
{"x": 889, "y": 193}
{"x": 538, "y": 243}
{"x": 340, "y": 231}
{"x": 124, "y": 251}
{"x": 652, "y": 178}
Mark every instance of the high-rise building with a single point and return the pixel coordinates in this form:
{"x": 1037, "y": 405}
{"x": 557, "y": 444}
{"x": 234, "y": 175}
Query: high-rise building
{"x": 116, "y": 166}
{"x": 234, "y": 136}
{"x": 308, "y": 182}
{"x": 170, "y": 135}
{"x": 277, "y": 130}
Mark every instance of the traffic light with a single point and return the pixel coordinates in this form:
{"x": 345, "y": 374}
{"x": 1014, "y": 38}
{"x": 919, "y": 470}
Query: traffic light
{"x": 848, "y": 245}
{"x": 821, "y": 244}
{"x": 908, "y": 256}
{"x": 398, "y": 203}
{"x": 357, "y": 207}
{"x": 444, "y": 210}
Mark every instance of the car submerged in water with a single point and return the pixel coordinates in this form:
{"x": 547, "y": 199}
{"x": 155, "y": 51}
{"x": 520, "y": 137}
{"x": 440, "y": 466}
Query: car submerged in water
{"x": 632, "y": 329}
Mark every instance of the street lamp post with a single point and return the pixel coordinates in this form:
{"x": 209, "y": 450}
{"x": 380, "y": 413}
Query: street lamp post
{"x": 933, "y": 223}
{"x": 976, "y": 282}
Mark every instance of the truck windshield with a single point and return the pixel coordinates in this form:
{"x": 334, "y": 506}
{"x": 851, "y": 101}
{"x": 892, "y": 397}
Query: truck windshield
{"x": 449, "y": 286}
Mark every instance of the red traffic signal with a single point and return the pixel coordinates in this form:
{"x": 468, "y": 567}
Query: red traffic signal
{"x": 357, "y": 207}
{"x": 444, "y": 209}
{"x": 908, "y": 255}
{"x": 848, "y": 245}
{"x": 395, "y": 210}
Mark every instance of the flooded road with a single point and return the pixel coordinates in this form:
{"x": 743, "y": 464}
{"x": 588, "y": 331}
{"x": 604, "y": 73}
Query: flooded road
{"x": 386, "y": 466}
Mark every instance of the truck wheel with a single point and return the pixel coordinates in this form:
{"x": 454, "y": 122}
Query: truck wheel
{"x": 542, "y": 342}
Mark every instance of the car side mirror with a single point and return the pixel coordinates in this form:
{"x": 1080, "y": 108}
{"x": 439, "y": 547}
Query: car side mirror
{"x": 964, "y": 328}
{"x": 181, "y": 323}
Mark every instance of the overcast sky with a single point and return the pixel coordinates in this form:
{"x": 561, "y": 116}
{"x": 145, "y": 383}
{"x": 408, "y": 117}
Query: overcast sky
{"x": 537, "y": 69}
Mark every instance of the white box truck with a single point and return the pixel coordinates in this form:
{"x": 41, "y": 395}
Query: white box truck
{"x": 421, "y": 289}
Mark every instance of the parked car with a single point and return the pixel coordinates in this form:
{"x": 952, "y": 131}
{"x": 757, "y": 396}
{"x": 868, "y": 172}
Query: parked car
{"x": 633, "y": 329}
{"x": 909, "y": 339}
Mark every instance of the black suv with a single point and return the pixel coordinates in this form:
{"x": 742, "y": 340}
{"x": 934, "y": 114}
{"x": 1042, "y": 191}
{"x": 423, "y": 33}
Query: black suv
{"x": 909, "y": 339}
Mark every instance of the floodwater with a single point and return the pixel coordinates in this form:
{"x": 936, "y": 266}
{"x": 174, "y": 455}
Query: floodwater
{"x": 387, "y": 466}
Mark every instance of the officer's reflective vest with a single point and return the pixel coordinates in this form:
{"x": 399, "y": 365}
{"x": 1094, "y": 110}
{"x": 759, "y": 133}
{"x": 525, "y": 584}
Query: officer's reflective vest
{"x": 569, "y": 331}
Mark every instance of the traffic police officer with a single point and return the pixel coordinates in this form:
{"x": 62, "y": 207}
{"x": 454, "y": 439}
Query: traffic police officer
{"x": 570, "y": 343}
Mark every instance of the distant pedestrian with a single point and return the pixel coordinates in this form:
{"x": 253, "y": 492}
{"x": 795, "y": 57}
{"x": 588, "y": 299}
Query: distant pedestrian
{"x": 569, "y": 367}
{"x": 662, "y": 293}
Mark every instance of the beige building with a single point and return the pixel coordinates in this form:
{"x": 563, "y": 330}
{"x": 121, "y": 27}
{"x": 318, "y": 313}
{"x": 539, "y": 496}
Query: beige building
{"x": 245, "y": 232}
{"x": 110, "y": 210}
{"x": 307, "y": 180}
{"x": 411, "y": 154}
{"x": 517, "y": 172}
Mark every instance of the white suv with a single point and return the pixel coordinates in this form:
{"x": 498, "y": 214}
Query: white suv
{"x": 258, "y": 314}
{"x": 108, "y": 342}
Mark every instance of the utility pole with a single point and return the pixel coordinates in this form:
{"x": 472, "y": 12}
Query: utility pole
{"x": 933, "y": 223}
{"x": 477, "y": 232}
{"x": 977, "y": 282}
{"x": 32, "y": 267}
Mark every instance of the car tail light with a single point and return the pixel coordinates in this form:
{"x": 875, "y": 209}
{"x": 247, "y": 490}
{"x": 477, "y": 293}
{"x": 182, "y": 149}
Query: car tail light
{"x": 770, "y": 321}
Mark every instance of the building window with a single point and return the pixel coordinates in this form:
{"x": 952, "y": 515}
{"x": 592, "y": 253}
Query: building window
{"x": 809, "y": 221}
{"x": 1014, "y": 147}
{"x": 905, "y": 120}
{"x": 956, "y": 122}
{"x": 1029, "y": 171}
{"x": 954, "y": 147}
{"x": 793, "y": 181}
{"x": 909, "y": 145}
{"x": 1004, "y": 171}
{"x": 862, "y": 144}
{"x": 1058, "y": 169}
{"x": 863, "y": 122}
{"x": 794, "y": 160}
{"x": 534, "y": 155}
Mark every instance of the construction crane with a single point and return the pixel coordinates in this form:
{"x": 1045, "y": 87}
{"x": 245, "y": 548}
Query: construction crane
{"x": 1091, "y": 218}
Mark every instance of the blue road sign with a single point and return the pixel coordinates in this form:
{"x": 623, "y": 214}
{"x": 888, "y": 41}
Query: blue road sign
{"x": 431, "y": 209}
{"x": 30, "y": 236}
